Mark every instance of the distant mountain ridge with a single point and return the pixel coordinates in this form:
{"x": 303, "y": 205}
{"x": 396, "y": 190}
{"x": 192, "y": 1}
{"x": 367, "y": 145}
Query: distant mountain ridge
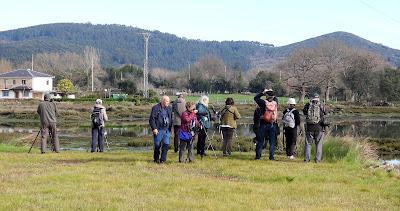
{"x": 120, "y": 44}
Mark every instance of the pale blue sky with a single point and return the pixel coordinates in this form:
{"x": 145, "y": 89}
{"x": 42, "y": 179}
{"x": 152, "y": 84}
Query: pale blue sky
{"x": 278, "y": 22}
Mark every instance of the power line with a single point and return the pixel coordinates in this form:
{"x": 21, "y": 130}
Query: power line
{"x": 380, "y": 12}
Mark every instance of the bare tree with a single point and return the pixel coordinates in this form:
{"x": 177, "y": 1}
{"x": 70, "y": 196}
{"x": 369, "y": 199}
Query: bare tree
{"x": 360, "y": 74}
{"x": 332, "y": 56}
{"x": 301, "y": 70}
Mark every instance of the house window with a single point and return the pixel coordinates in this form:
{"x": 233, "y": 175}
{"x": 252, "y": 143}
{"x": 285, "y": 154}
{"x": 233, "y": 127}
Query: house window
{"x": 47, "y": 82}
{"x": 23, "y": 82}
{"x": 14, "y": 82}
{"x": 26, "y": 93}
{"x": 5, "y": 93}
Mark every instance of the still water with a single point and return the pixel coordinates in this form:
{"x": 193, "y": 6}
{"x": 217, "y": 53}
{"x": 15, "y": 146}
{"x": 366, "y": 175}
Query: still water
{"x": 78, "y": 138}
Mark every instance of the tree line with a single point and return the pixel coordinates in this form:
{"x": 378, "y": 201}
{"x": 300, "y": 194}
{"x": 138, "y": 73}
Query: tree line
{"x": 332, "y": 69}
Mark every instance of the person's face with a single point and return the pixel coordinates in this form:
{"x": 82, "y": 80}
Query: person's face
{"x": 292, "y": 105}
{"x": 205, "y": 101}
{"x": 165, "y": 102}
{"x": 191, "y": 108}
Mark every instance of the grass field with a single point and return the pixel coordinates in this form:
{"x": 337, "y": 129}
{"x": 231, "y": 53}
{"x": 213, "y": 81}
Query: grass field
{"x": 125, "y": 180}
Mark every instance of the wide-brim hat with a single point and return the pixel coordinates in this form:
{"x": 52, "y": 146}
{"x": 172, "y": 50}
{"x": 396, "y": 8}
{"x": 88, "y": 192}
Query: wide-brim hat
{"x": 291, "y": 101}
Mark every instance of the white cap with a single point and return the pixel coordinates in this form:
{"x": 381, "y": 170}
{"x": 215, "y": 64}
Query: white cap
{"x": 291, "y": 101}
{"x": 99, "y": 101}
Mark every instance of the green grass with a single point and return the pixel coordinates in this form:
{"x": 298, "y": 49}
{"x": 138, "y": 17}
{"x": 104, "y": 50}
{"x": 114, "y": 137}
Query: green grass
{"x": 125, "y": 180}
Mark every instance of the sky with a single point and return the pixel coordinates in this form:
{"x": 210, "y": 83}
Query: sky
{"x": 277, "y": 22}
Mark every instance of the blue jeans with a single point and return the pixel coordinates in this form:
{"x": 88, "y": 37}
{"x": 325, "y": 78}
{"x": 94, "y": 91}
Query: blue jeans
{"x": 97, "y": 137}
{"x": 270, "y": 130}
{"x": 161, "y": 141}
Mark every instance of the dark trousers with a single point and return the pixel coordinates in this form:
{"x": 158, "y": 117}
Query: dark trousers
{"x": 227, "y": 134}
{"x": 182, "y": 147}
{"x": 270, "y": 130}
{"x": 54, "y": 137}
{"x": 201, "y": 143}
{"x": 161, "y": 141}
{"x": 97, "y": 139}
{"x": 176, "y": 137}
{"x": 291, "y": 139}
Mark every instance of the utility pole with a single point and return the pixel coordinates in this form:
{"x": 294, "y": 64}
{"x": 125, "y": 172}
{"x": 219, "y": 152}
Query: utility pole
{"x": 92, "y": 75}
{"x": 32, "y": 63}
{"x": 146, "y": 65}
{"x": 225, "y": 72}
{"x": 189, "y": 71}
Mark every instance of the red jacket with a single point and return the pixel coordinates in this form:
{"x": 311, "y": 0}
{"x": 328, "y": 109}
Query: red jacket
{"x": 186, "y": 120}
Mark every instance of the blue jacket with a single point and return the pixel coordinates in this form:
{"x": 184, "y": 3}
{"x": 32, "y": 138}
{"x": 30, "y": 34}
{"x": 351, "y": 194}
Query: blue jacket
{"x": 202, "y": 114}
{"x": 156, "y": 119}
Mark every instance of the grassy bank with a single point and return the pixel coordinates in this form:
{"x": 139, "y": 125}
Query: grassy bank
{"x": 131, "y": 181}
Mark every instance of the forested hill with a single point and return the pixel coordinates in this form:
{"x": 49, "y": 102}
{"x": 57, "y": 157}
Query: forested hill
{"x": 120, "y": 44}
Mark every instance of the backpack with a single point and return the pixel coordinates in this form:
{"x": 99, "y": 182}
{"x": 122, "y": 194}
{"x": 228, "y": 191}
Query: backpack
{"x": 96, "y": 117}
{"x": 288, "y": 119}
{"x": 313, "y": 113}
{"x": 271, "y": 114}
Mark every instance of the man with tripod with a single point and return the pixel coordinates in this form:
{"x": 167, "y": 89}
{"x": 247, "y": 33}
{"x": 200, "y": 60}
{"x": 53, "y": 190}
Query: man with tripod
{"x": 47, "y": 111}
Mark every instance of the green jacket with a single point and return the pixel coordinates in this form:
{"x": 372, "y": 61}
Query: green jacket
{"x": 47, "y": 111}
{"x": 229, "y": 115}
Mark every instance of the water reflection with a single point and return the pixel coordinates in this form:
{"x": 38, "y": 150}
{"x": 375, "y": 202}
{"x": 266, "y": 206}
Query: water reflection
{"x": 75, "y": 137}
{"x": 360, "y": 128}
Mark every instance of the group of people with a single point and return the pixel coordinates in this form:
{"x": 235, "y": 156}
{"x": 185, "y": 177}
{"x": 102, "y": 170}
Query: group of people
{"x": 266, "y": 127}
{"x": 47, "y": 111}
{"x": 189, "y": 119}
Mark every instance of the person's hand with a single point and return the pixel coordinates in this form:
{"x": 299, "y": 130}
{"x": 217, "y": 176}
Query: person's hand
{"x": 155, "y": 132}
{"x": 265, "y": 91}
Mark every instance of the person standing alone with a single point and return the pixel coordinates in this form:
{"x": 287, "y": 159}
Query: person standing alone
{"x": 98, "y": 116}
{"x": 47, "y": 111}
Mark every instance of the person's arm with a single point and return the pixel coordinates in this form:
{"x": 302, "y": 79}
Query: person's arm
{"x": 55, "y": 108}
{"x": 152, "y": 120}
{"x": 296, "y": 117}
{"x": 38, "y": 109}
{"x": 201, "y": 110}
{"x": 305, "y": 109}
{"x": 185, "y": 118}
{"x": 171, "y": 122}
{"x": 236, "y": 114}
{"x": 260, "y": 102}
{"x": 105, "y": 117}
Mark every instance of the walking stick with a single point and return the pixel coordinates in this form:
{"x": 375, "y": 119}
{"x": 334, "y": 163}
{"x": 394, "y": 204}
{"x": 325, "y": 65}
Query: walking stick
{"x": 34, "y": 141}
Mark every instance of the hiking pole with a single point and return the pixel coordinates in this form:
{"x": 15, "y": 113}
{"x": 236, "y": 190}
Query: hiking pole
{"x": 283, "y": 139}
{"x": 34, "y": 141}
{"x": 53, "y": 147}
{"x": 106, "y": 140}
{"x": 238, "y": 143}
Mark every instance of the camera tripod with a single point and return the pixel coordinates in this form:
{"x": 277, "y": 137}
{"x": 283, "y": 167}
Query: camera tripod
{"x": 51, "y": 141}
{"x": 210, "y": 145}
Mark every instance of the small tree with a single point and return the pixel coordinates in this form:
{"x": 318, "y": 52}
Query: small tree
{"x": 65, "y": 86}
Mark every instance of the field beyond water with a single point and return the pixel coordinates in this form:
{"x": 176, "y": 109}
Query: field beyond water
{"x": 124, "y": 180}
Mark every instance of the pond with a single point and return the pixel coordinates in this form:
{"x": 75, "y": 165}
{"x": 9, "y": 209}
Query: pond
{"x": 74, "y": 137}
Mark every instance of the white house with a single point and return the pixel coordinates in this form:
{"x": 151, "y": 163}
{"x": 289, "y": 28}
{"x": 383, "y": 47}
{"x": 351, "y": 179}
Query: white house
{"x": 25, "y": 84}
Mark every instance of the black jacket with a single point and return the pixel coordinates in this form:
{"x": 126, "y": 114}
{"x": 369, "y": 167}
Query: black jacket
{"x": 156, "y": 120}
